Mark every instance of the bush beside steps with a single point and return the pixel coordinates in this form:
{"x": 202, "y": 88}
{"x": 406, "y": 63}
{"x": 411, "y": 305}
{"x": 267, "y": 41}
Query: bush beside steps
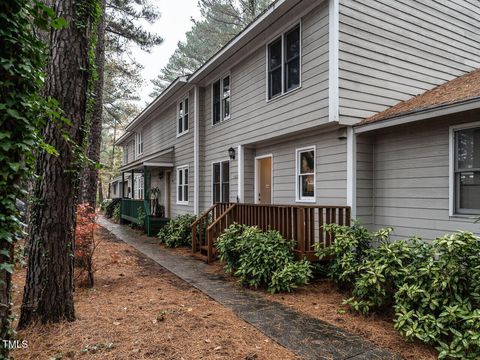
{"x": 177, "y": 232}
{"x": 262, "y": 259}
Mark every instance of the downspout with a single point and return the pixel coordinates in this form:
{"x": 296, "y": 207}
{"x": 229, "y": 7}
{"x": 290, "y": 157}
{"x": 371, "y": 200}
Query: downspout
{"x": 196, "y": 152}
{"x": 333, "y": 61}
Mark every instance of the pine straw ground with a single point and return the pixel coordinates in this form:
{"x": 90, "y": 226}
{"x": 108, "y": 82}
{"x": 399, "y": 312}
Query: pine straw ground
{"x": 138, "y": 310}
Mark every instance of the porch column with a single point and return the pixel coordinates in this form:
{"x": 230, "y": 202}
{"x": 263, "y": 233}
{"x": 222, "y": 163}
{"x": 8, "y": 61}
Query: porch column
{"x": 146, "y": 186}
{"x": 123, "y": 185}
{"x": 241, "y": 173}
{"x": 133, "y": 184}
{"x": 352, "y": 171}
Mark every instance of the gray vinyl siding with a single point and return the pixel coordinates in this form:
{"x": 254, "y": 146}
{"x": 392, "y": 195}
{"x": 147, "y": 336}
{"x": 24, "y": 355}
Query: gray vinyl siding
{"x": 365, "y": 181}
{"x": 410, "y": 179}
{"x": 183, "y": 155}
{"x": 393, "y": 50}
{"x": 331, "y": 168}
{"x": 253, "y": 118}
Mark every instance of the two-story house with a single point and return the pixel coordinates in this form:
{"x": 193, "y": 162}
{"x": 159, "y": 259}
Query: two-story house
{"x": 295, "y": 111}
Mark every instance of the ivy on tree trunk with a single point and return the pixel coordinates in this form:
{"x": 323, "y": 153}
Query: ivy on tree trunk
{"x": 48, "y": 295}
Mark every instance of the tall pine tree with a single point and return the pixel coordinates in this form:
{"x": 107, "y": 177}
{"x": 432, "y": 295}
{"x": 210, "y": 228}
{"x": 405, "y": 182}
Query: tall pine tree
{"x": 220, "y": 21}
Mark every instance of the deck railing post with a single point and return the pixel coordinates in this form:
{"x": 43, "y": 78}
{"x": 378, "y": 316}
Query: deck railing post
{"x": 301, "y": 230}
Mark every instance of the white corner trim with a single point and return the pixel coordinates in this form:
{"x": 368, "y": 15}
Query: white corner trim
{"x": 196, "y": 152}
{"x": 241, "y": 172}
{"x": 352, "y": 171}
{"x": 333, "y": 60}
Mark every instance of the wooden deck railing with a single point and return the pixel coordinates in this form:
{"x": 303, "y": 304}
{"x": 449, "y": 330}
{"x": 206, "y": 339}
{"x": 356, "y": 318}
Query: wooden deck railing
{"x": 129, "y": 209}
{"x": 302, "y": 223}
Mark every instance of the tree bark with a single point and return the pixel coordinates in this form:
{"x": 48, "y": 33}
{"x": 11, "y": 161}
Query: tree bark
{"x": 48, "y": 294}
{"x": 90, "y": 180}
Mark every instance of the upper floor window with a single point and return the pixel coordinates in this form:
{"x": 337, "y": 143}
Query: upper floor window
{"x": 305, "y": 173}
{"x": 466, "y": 169}
{"x": 283, "y": 60}
{"x": 221, "y": 100}
{"x": 182, "y": 122}
{"x": 182, "y": 185}
{"x": 139, "y": 142}
{"x": 125, "y": 154}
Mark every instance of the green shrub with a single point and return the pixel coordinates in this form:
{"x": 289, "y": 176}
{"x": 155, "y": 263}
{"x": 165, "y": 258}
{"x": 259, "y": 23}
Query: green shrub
{"x": 116, "y": 213}
{"x": 141, "y": 216}
{"x": 262, "y": 259}
{"x": 439, "y": 301}
{"x": 348, "y": 251}
{"x": 177, "y": 232}
{"x": 104, "y": 204}
{"x": 293, "y": 275}
{"x": 434, "y": 287}
{"x": 383, "y": 270}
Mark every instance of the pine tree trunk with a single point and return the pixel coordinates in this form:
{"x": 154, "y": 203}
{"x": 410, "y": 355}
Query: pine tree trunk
{"x": 48, "y": 295}
{"x": 100, "y": 191}
{"x": 90, "y": 179}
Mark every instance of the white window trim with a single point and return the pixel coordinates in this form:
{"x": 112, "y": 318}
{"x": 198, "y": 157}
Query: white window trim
{"x": 179, "y": 168}
{"x": 282, "y": 36}
{"x": 451, "y": 167}
{"x": 137, "y": 143}
{"x": 221, "y": 177}
{"x": 183, "y": 117}
{"x": 298, "y": 198}
{"x": 221, "y": 78}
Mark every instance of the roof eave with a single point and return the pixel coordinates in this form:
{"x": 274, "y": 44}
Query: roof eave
{"x": 176, "y": 85}
{"x": 252, "y": 30}
{"x": 423, "y": 114}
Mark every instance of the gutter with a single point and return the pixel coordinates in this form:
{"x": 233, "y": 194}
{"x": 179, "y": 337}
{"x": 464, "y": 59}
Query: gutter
{"x": 432, "y": 112}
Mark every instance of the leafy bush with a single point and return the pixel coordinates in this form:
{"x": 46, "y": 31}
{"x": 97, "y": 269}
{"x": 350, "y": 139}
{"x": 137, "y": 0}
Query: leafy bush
{"x": 348, "y": 251}
{"x": 292, "y": 275}
{"x": 439, "y": 300}
{"x": 85, "y": 244}
{"x": 141, "y": 216}
{"x": 105, "y": 203}
{"x": 177, "y": 232}
{"x": 384, "y": 270}
{"x": 433, "y": 287}
{"x": 262, "y": 259}
{"x": 116, "y": 213}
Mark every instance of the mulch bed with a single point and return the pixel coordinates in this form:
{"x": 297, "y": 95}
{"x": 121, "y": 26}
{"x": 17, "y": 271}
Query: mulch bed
{"x": 138, "y": 310}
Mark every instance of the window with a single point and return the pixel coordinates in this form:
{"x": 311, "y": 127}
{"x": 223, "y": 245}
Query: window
{"x": 221, "y": 182}
{"x": 139, "y": 188}
{"x": 284, "y": 63}
{"x": 305, "y": 174}
{"x": 466, "y": 170}
{"x": 125, "y": 154}
{"x": 182, "y": 185}
{"x": 221, "y": 100}
{"x": 182, "y": 123}
{"x": 114, "y": 189}
{"x": 139, "y": 142}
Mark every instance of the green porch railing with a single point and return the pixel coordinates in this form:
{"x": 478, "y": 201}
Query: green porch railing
{"x": 129, "y": 209}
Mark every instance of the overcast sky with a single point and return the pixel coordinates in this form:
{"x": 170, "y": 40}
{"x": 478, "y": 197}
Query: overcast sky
{"x": 172, "y": 26}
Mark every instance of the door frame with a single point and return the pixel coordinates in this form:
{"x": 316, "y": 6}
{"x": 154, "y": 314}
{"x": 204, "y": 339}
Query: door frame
{"x": 257, "y": 178}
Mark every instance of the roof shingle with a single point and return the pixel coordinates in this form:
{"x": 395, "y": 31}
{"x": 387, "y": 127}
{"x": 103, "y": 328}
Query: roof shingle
{"x": 459, "y": 89}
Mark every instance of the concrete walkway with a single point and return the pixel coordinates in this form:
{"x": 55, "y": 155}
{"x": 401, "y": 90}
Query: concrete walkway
{"x": 306, "y": 336}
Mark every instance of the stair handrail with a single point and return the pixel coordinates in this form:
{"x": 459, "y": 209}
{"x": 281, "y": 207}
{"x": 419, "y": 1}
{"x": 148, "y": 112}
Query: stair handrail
{"x": 211, "y": 227}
